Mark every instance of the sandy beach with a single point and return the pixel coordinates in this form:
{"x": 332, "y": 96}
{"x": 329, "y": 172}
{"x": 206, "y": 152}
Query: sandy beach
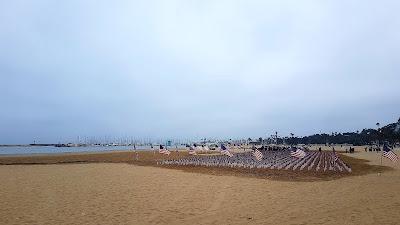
{"x": 124, "y": 193}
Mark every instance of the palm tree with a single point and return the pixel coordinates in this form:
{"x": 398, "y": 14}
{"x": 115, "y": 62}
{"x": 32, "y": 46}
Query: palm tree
{"x": 291, "y": 134}
{"x": 377, "y": 125}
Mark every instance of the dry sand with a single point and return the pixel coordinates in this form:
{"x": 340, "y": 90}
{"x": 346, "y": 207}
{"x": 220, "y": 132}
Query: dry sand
{"x": 119, "y": 193}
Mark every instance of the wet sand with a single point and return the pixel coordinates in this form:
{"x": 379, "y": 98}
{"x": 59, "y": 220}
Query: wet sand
{"x": 124, "y": 193}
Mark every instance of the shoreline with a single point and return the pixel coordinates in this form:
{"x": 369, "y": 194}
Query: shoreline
{"x": 70, "y": 153}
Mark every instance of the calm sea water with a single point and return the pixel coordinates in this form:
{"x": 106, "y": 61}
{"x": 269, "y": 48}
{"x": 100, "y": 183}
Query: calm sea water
{"x": 51, "y": 149}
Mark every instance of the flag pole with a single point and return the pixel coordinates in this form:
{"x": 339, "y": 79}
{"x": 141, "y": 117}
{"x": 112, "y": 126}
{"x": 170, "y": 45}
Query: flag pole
{"x": 379, "y": 173}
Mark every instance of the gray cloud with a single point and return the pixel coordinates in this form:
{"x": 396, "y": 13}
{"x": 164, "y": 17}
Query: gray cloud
{"x": 196, "y": 68}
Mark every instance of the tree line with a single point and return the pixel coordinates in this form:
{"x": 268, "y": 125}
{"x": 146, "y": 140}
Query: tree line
{"x": 389, "y": 133}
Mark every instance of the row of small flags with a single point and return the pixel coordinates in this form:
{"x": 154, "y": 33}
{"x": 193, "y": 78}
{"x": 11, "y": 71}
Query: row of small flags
{"x": 295, "y": 152}
{"x": 299, "y": 153}
{"x": 192, "y": 150}
{"x": 387, "y": 153}
{"x": 225, "y": 151}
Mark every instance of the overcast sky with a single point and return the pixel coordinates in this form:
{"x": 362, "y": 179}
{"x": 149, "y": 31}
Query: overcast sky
{"x": 191, "y": 69}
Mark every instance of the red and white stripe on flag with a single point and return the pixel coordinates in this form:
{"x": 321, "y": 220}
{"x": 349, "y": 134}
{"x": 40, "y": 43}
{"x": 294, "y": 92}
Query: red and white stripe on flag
{"x": 226, "y": 152}
{"x": 258, "y": 155}
{"x": 192, "y": 152}
{"x": 391, "y": 155}
{"x": 298, "y": 153}
{"x": 164, "y": 151}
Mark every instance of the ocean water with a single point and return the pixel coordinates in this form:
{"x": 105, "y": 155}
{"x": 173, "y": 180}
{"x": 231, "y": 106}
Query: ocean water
{"x": 18, "y": 150}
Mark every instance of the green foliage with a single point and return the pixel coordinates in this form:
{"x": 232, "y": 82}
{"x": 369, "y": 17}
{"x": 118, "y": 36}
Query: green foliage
{"x": 365, "y": 137}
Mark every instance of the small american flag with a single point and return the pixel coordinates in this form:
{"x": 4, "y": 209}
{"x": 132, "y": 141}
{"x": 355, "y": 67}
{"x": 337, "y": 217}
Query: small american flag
{"x": 388, "y": 153}
{"x": 335, "y": 157}
{"x": 258, "y": 155}
{"x": 225, "y": 151}
{"x": 192, "y": 151}
{"x": 298, "y": 153}
{"x": 164, "y": 150}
